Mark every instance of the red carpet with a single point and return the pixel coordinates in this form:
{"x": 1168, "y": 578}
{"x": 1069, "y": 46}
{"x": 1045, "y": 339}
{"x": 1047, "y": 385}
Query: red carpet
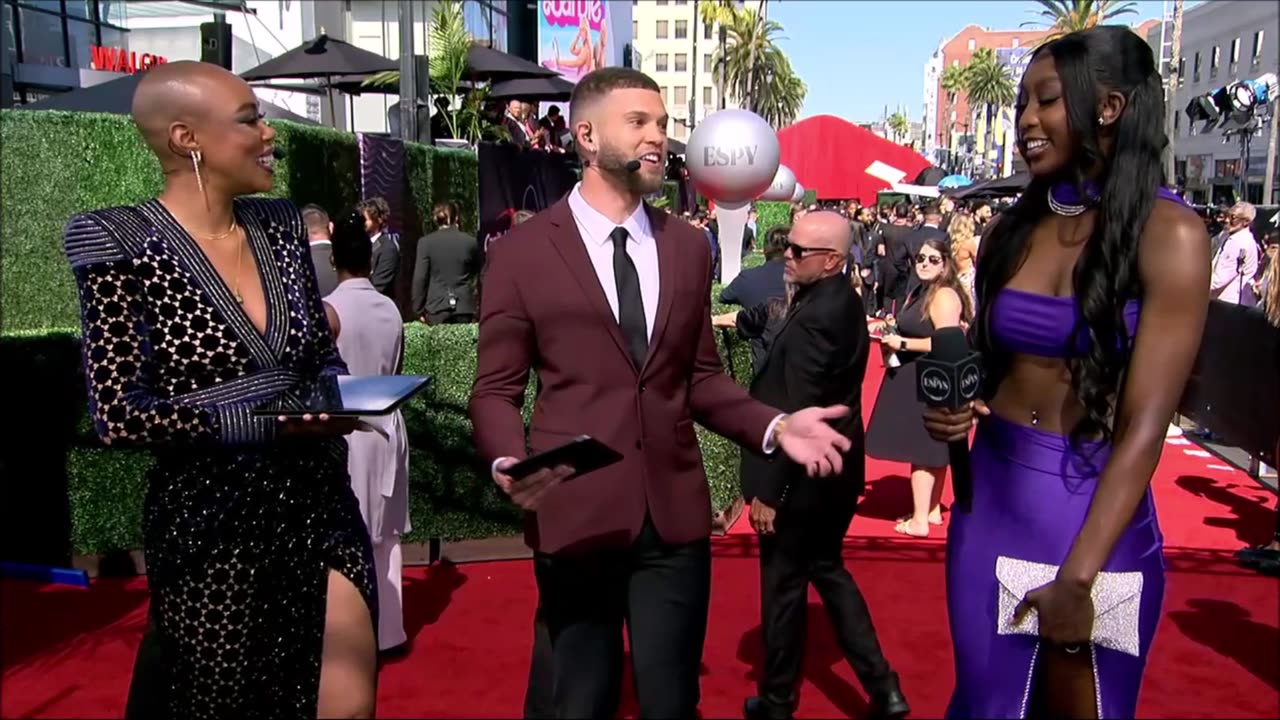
{"x": 68, "y": 652}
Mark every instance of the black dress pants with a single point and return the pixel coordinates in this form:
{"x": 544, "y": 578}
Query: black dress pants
{"x": 806, "y": 548}
{"x": 660, "y": 592}
{"x": 539, "y": 695}
{"x": 149, "y": 687}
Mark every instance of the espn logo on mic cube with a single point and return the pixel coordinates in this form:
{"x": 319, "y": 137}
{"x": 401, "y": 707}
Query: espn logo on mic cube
{"x": 947, "y": 384}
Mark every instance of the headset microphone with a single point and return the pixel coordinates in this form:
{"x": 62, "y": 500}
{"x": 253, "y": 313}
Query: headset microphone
{"x": 632, "y": 165}
{"x": 277, "y": 152}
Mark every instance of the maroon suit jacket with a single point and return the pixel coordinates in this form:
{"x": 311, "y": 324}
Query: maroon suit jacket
{"x": 543, "y": 309}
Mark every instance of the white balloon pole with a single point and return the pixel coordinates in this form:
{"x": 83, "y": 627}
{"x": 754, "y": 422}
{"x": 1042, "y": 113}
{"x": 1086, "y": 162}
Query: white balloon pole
{"x": 732, "y": 221}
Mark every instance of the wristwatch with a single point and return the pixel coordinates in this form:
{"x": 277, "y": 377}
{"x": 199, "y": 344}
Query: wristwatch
{"x": 902, "y": 344}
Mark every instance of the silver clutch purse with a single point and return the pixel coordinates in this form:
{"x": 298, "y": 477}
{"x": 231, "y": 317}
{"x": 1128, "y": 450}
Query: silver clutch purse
{"x": 1117, "y": 602}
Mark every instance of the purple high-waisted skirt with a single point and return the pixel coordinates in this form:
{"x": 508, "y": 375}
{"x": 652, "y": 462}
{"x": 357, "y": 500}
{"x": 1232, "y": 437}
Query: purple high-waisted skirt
{"x": 1031, "y": 492}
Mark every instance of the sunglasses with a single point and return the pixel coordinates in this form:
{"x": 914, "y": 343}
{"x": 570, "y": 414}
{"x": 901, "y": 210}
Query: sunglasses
{"x": 930, "y": 259}
{"x": 799, "y": 251}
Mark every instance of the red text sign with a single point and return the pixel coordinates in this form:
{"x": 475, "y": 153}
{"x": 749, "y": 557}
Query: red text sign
{"x": 117, "y": 60}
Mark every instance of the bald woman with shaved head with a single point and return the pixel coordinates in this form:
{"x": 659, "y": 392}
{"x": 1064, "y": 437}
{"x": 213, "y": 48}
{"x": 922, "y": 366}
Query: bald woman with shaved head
{"x": 198, "y": 308}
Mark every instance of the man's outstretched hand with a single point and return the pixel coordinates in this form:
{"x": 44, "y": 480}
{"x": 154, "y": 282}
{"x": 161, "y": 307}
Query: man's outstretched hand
{"x": 809, "y": 441}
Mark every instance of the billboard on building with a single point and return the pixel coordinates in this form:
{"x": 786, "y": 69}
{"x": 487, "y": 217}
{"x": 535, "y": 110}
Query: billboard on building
{"x": 578, "y": 36}
{"x": 1015, "y": 60}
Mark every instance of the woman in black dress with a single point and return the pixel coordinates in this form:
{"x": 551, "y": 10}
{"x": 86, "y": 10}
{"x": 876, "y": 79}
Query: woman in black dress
{"x": 197, "y": 308}
{"x": 895, "y": 431}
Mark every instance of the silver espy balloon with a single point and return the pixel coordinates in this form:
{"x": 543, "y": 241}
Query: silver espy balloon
{"x": 782, "y": 187}
{"x": 798, "y": 194}
{"x": 733, "y": 156}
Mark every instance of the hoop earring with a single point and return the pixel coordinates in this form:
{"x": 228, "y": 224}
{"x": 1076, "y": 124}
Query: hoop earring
{"x": 196, "y": 157}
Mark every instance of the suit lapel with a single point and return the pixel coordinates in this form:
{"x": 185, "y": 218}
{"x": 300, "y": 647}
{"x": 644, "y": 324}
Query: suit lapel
{"x": 568, "y": 243}
{"x": 668, "y": 266}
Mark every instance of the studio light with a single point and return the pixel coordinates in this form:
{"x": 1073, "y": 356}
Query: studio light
{"x": 1236, "y": 102}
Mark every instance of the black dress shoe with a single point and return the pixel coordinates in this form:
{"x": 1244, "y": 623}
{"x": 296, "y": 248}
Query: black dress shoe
{"x": 757, "y": 708}
{"x": 888, "y": 701}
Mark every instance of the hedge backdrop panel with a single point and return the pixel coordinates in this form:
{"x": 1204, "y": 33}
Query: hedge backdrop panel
{"x": 61, "y": 490}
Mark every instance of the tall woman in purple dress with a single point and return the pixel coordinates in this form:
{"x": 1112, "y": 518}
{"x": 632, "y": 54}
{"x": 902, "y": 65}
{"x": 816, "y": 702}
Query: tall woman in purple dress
{"x": 1092, "y": 294}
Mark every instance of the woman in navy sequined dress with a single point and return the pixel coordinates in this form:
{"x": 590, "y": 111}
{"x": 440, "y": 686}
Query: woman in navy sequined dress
{"x": 198, "y": 307}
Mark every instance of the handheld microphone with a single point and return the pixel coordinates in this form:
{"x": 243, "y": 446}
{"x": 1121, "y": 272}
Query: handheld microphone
{"x": 950, "y": 376}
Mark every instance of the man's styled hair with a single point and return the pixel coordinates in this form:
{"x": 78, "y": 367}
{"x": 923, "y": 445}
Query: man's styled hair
{"x": 316, "y": 219}
{"x": 599, "y": 83}
{"x": 377, "y": 208}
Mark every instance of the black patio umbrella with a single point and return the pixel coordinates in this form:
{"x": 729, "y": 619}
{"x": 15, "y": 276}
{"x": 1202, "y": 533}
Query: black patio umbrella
{"x": 116, "y": 97}
{"x": 323, "y": 57}
{"x": 999, "y": 187}
{"x": 930, "y": 176}
{"x": 547, "y": 89}
{"x": 485, "y": 63}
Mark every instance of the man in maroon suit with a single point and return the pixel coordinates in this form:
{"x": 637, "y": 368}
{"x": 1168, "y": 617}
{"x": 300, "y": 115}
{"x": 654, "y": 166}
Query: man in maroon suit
{"x": 609, "y": 302}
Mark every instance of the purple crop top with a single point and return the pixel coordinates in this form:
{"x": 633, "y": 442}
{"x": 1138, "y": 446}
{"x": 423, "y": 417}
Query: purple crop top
{"x": 1044, "y": 325}
{"x": 1034, "y": 324}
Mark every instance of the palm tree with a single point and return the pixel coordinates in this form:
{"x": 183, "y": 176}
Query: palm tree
{"x": 899, "y": 126}
{"x": 1060, "y": 17}
{"x": 780, "y": 93}
{"x": 449, "y": 43}
{"x": 751, "y": 60}
{"x": 717, "y": 13}
{"x": 990, "y": 85}
{"x": 953, "y": 83}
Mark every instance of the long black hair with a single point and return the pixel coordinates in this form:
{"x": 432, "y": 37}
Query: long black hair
{"x": 1111, "y": 59}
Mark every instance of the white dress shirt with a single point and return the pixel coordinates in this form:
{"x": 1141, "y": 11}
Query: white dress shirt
{"x": 1229, "y": 275}
{"x": 642, "y": 248}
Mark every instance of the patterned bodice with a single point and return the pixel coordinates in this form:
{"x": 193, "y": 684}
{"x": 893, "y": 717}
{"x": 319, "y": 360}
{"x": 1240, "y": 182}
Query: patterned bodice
{"x": 170, "y": 356}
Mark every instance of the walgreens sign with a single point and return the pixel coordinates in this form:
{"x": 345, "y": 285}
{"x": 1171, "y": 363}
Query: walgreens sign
{"x": 117, "y": 60}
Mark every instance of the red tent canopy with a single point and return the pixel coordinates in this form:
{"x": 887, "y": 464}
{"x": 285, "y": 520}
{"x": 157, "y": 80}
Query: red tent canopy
{"x": 830, "y": 156}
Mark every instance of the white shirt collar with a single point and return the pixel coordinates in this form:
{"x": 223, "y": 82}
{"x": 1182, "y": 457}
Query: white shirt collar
{"x": 321, "y": 242}
{"x": 597, "y": 227}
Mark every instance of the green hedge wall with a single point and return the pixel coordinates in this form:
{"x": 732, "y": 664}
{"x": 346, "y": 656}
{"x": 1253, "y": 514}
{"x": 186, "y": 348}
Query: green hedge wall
{"x": 63, "y": 491}
{"x": 56, "y": 164}
{"x": 770, "y": 214}
{"x": 451, "y": 495}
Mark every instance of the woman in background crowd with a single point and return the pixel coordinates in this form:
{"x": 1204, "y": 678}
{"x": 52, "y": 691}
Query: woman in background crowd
{"x": 895, "y": 432}
{"x": 1266, "y": 558}
{"x": 370, "y": 335}
{"x": 964, "y": 248}
{"x": 1093, "y": 290}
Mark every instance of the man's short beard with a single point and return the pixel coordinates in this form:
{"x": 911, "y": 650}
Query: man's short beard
{"x": 614, "y": 164}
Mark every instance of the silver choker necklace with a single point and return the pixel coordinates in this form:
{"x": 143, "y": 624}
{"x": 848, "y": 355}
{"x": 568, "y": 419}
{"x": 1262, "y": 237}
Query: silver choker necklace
{"x": 1065, "y": 209}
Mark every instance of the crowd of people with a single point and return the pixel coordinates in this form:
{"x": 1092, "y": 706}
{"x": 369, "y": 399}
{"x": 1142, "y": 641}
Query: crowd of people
{"x": 272, "y": 542}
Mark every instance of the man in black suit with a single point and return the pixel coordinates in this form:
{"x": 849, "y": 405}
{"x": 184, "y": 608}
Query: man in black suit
{"x": 386, "y": 245}
{"x": 445, "y": 273}
{"x": 819, "y": 355}
{"x": 756, "y": 285}
{"x": 319, "y": 230}
{"x": 904, "y": 253}
{"x": 894, "y": 234}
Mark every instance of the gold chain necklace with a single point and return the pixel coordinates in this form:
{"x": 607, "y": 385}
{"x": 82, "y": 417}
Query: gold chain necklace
{"x": 239, "y": 254}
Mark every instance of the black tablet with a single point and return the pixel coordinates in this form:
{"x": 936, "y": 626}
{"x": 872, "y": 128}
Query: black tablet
{"x": 354, "y": 396}
{"x": 584, "y": 454}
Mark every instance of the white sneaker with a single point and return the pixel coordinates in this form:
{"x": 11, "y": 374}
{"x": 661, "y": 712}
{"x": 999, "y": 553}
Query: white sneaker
{"x": 1173, "y": 431}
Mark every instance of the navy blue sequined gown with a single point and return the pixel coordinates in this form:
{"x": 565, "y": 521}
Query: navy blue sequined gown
{"x": 240, "y": 527}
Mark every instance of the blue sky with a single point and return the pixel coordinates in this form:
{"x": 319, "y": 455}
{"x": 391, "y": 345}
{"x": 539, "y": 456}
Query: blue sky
{"x": 856, "y": 56}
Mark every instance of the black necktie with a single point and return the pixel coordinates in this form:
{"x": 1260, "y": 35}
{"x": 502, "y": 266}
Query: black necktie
{"x": 630, "y": 306}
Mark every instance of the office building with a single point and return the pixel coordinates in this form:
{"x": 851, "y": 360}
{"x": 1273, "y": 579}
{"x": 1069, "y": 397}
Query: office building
{"x": 671, "y": 44}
